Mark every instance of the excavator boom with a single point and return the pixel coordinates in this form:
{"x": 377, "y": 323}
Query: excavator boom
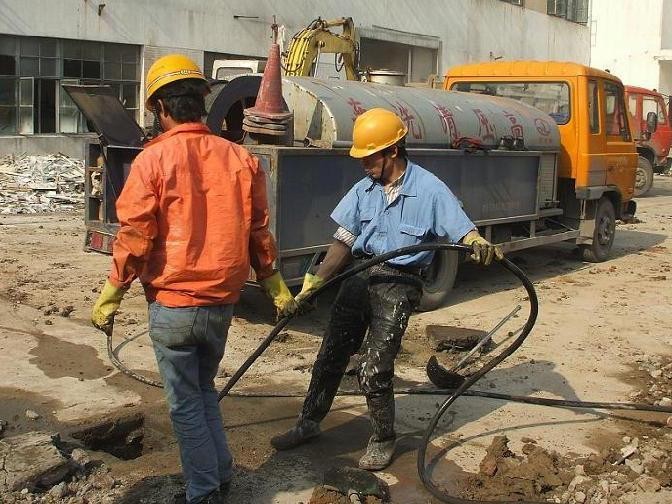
{"x": 307, "y": 45}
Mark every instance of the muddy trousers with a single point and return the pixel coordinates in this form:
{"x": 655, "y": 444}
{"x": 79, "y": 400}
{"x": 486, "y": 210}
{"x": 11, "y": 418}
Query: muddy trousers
{"x": 382, "y": 304}
{"x": 189, "y": 344}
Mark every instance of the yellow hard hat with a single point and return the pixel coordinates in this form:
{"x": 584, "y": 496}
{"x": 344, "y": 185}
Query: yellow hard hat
{"x": 375, "y": 130}
{"x": 167, "y": 69}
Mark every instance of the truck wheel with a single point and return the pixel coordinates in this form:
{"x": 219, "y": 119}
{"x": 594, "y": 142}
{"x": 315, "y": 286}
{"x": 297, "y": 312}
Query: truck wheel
{"x": 644, "y": 179}
{"x": 603, "y": 236}
{"x": 438, "y": 280}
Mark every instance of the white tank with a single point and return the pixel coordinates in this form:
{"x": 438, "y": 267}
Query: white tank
{"x": 324, "y": 113}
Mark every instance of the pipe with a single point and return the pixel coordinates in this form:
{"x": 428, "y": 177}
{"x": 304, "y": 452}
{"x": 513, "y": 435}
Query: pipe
{"x": 462, "y": 390}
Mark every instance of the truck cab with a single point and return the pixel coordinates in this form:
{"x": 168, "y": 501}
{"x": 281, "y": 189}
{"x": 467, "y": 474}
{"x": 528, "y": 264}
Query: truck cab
{"x": 651, "y": 130}
{"x": 598, "y": 158}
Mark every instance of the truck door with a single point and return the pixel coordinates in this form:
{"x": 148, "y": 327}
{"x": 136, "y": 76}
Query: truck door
{"x": 593, "y": 157}
{"x": 662, "y": 137}
{"x": 620, "y": 154}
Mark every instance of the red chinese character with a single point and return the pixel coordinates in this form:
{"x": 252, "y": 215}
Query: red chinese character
{"x": 409, "y": 121}
{"x": 516, "y": 129}
{"x": 357, "y": 108}
{"x": 486, "y": 129}
{"x": 542, "y": 127}
{"x": 447, "y": 121}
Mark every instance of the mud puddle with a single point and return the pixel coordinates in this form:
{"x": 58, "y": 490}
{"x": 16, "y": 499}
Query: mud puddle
{"x": 57, "y": 358}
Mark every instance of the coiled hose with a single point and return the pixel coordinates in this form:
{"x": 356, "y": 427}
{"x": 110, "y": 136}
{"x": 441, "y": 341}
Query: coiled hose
{"x": 462, "y": 390}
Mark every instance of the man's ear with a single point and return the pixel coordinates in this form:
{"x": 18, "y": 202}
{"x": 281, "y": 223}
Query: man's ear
{"x": 160, "y": 108}
{"x": 394, "y": 152}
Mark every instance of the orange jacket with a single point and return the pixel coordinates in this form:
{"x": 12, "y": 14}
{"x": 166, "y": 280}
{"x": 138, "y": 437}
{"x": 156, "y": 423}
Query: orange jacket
{"x": 194, "y": 217}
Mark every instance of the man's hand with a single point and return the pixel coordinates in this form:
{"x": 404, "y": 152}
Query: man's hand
{"x": 310, "y": 284}
{"x": 102, "y": 315}
{"x": 484, "y": 251}
{"x": 284, "y": 302}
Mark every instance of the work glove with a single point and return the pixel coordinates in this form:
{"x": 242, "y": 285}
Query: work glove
{"x": 284, "y": 302}
{"x": 310, "y": 284}
{"x": 102, "y": 315}
{"x": 484, "y": 251}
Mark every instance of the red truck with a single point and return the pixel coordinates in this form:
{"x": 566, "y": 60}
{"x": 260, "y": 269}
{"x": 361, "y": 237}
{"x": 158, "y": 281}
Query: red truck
{"x": 651, "y": 130}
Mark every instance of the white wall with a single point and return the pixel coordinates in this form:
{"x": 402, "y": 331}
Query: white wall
{"x": 468, "y": 30}
{"x": 626, "y": 39}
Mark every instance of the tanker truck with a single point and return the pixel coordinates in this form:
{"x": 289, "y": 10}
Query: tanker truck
{"x": 501, "y": 157}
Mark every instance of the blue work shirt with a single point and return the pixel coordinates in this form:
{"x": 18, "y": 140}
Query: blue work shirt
{"x": 424, "y": 211}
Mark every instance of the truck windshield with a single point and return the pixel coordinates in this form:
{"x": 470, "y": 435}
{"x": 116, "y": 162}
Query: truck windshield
{"x": 549, "y": 97}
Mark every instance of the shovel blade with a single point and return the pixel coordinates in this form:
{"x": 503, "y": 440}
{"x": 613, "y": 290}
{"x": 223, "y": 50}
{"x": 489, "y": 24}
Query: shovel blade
{"x": 441, "y": 377}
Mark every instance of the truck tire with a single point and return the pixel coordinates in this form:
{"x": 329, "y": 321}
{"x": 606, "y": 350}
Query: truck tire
{"x": 438, "y": 280}
{"x": 644, "y": 178}
{"x": 603, "y": 235}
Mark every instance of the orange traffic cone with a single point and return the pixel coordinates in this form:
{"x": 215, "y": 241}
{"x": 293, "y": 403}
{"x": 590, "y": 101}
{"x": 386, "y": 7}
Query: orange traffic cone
{"x": 270, "y": 107}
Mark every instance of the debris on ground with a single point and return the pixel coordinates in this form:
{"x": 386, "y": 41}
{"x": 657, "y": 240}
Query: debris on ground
{"x": 32, "y": 184}
{"x": 322, "y": 495}
{"x": 604, "y": 478}
{"x": 452, "y": 338}
{"x": 32, "y": 461}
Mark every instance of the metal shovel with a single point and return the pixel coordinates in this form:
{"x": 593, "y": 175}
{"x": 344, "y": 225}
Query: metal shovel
{"x": 450, "y": 378}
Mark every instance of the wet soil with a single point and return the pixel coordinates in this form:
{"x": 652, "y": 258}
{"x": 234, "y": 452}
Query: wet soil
{"x": 58, "y": 358}
{"x": 602, "y": 330}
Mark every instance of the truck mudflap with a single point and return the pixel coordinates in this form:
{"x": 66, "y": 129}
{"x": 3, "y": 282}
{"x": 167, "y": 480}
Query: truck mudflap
{"x": 628, "y": 210}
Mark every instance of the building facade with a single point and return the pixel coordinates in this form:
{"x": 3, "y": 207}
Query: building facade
{"x": 45, "y": 44}
{"x": 633, "y": 40}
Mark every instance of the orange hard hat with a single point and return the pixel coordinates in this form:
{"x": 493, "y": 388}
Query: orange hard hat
{"x": 375, "y": 130}
{"x": 167, "y": 69}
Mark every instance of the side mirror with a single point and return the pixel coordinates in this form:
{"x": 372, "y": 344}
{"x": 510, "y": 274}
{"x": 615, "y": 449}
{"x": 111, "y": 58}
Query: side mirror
{"x": 651, "y": 122}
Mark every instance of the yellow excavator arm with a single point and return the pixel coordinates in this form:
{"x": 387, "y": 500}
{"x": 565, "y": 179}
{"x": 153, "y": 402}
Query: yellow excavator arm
{"x": 307, "y": 45}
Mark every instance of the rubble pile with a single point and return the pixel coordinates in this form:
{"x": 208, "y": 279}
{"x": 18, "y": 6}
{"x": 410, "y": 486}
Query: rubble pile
{"x": 35, "y": 184}
{"x": 35, "y": 467}
{"x": 657, "y": 376}
{"x": 615, "y": 476}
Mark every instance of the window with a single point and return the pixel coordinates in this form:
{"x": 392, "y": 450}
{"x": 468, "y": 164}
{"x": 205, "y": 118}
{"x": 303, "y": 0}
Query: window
{"x": 416, "y": 62}
{"x": 572, "y": 10}
{"x": 549, "y": 97}
{"x": 7, "y": 55}
{"x": 593, "y": 109}
{"x": 8, "y": 105}
{"x": 614, "y": 107}
{"x": 514, "y": 2}
{"x": 632, "y": 105}
{"x": 652, "y": 104}
{"x": 32, "y": 70}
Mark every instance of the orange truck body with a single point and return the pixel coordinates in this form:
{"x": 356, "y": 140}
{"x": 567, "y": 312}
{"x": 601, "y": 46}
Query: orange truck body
{"x": 599, "y": 157}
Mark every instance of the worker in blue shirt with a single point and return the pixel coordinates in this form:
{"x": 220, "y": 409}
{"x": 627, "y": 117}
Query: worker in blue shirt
{"x": 398, "y": 204}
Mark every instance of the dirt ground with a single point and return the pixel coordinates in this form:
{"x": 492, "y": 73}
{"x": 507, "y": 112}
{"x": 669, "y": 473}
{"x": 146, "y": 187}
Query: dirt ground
{"x": 603, "y": 334}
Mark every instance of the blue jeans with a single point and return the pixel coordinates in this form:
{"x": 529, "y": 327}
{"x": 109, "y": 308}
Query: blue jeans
{"x": 189, "y": 344}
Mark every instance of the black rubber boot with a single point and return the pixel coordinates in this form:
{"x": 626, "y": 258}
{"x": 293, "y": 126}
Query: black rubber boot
{"x": 301, "y": 433}
{"x": 212, "y": 498}
{"x": 378, "y": 455}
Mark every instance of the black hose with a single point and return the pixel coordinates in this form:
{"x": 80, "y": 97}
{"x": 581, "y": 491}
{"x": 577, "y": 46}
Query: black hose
{"x": 462, "y": 390}
{"x": 346, "y": 274}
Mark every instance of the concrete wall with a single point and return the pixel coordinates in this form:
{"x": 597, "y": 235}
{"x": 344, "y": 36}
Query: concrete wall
{"x": 469, "y": 30}
{"x": 628, "y": 38}
{"x": 460, "y": 31}
{"x": 70, "y": 145}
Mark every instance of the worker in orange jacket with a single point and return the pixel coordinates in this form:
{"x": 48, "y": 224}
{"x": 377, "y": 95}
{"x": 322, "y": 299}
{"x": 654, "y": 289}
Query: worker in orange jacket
{"x": 193, "y": 218}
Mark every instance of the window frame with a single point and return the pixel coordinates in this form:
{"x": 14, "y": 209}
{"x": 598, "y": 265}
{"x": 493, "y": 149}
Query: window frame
{"x": 566, "y": 84}
{"x": 625, "y": 135}
{"x": 595, "y": 94}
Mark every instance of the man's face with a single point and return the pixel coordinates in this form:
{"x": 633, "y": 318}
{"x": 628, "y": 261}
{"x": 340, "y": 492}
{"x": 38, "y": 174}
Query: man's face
{"x": 374, "y": 165}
